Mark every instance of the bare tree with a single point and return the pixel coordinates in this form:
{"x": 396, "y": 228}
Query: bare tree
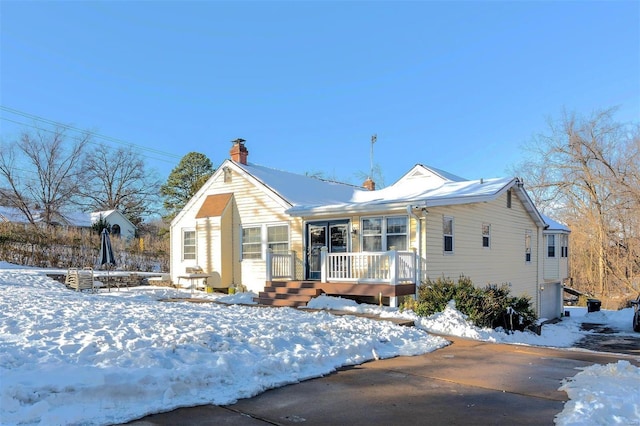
{"x": 586, "y": 170}
{"x": 118, "y": 179}
{"x": 41, "y": 171}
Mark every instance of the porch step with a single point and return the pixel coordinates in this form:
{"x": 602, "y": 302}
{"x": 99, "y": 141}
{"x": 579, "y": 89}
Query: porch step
{"x": 294, "y": 284}
{"x": 279, "y": 302}
{"x": 286, "y": 290}
{"x": 287, "y": 293}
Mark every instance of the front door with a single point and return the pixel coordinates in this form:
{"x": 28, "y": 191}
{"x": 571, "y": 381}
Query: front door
{"x": 333, "y": 235}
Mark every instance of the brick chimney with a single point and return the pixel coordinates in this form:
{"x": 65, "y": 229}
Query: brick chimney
{"x": 239, "y": 152}
{"x": 369, "y": 184}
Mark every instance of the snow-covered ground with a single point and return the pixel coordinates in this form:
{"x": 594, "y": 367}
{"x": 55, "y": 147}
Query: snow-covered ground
{"x": 80, "y": 358}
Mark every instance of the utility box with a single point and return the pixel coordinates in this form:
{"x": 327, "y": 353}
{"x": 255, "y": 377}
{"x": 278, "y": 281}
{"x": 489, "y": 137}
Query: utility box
{"x": 593, "y": 305}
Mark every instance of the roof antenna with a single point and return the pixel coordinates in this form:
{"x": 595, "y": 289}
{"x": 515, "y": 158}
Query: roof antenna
{"x": 374, "y": 138}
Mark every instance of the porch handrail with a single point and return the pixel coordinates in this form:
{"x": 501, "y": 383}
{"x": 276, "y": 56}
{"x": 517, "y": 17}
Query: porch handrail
{"x": 280, "y": 265}
{"x": 393, "y": 267}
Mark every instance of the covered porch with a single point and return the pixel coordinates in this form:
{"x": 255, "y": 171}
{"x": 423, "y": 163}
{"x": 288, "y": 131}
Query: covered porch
{"x": 384, "y": 276}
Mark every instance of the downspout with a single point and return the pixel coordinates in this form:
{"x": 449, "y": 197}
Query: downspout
{"x": 419, "y": 241}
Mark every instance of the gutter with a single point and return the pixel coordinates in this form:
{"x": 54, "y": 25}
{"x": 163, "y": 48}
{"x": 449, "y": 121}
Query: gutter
{"x": 382, "y": 206}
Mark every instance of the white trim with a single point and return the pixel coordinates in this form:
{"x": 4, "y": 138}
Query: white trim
{"x": 195, "y": 243}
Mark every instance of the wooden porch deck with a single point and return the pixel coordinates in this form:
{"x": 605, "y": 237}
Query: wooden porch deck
{"x": 299, "y": 293}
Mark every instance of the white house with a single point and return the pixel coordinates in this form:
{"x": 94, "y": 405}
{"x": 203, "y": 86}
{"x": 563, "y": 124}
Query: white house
{"x": 119, "y": 225}
{"x": 290, "y": 237}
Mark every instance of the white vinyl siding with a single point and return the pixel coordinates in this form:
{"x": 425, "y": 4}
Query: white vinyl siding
{"x": 252, "y": 206}
{"x": 502, "y": 264}
{"x": 564, "y": 246}
{"x": 555, "y": 261}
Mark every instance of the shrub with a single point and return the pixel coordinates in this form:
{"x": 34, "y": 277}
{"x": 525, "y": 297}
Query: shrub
{"x": 485, "y": 307}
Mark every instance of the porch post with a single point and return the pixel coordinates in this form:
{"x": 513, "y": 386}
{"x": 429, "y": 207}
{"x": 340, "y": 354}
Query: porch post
{"x": 323, "y": 264}
{"x": 393, "y": 267}
{"x": 292, "y": 264}
{"x": 269, "y": 266}
{"x": 416, "y": 267}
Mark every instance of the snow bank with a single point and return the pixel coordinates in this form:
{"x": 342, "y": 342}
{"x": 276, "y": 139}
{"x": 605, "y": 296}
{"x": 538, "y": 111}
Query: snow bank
{"x": 82, "y": 358}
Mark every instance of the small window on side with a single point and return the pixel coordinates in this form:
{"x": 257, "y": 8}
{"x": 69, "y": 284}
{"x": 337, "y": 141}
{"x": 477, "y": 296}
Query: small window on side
{"x": 447, "y": 233}
{"x": 188, "y": 244}
{"x": 486, "y": 235}
{"x": 551, "y": 246}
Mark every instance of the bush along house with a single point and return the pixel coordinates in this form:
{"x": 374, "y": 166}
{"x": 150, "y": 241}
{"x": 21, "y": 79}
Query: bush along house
{"x": 289, "y": 237}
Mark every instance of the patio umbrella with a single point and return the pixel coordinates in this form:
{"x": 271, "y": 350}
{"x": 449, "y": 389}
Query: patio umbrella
{"x": 106, "y": 256}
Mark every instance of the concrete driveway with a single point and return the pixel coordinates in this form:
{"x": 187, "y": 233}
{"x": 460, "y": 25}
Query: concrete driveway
{"x": 468, "y": 382}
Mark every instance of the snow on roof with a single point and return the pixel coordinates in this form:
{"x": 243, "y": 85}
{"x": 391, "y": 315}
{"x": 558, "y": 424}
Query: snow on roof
{"x": 306, "y": 193}
{"x": 444, "y": 174}
{"x": 554, "y": 225}
{"x": 95, "y": 216}
{"x": 407, "y": 192}
{"x": 300, "y": 189}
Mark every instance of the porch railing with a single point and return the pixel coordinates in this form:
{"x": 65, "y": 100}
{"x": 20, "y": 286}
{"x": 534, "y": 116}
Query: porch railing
{"x": 393, "y": 267}
{"x": 281, "y": 265}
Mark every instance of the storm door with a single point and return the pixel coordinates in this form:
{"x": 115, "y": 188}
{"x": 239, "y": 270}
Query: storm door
{"x": 333, "y": 235}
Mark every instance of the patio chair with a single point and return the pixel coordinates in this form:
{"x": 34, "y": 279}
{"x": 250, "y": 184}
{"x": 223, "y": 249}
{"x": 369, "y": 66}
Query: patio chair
{"x": 80, "y": 279}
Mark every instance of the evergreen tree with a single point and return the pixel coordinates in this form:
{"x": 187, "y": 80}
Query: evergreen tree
{"x": 184, "y": 181}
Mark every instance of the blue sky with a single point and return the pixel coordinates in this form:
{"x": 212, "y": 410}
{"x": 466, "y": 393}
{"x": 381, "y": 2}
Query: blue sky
{"x": 459, "y": 86}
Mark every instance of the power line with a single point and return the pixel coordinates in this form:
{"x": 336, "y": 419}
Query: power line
{"x": 94, "y": 134}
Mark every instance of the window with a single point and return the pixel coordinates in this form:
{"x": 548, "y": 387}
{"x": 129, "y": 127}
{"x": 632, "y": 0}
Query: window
{"x": 527, "y": 246}
{"x": 252, "y": 242}
{"x": 115, "y": 230}
{"x": 383, "y": 233}
{"x": 372, "y": 234}
{"x": 188, "y": 244}
{"x": 397, "y": 233}
{"x": 447, "y": 232}
{"x": 509, "y": 199}
{"x": 256, "y": 239}
{"x": 564, "y": 246}
{"x": 486, "y": 235}
{"x": 551, "y": 246}
{"x": 278, "y": 238}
